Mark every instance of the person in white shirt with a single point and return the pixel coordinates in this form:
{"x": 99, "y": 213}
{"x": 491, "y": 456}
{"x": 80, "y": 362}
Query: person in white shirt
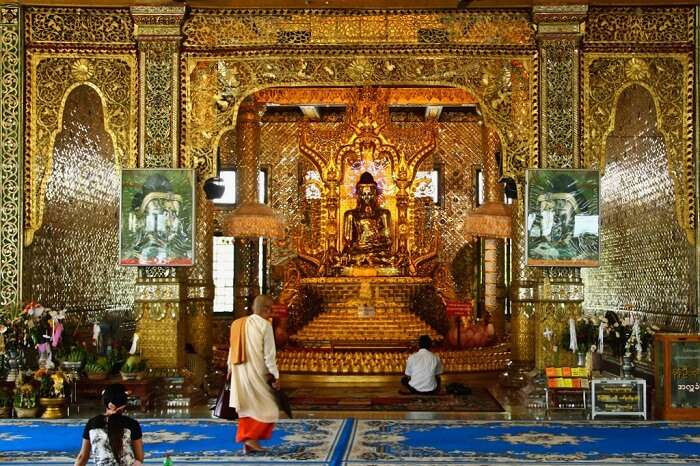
{"x": 423, "y": 369}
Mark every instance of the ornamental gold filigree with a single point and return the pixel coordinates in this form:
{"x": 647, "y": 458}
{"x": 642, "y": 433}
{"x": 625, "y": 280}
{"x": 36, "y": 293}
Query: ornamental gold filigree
{"x": 10, "y": 156}
{"x": 159, "y": 115}
{"x": 243, "y": 28}
{"x": 668, "y": 77}
{"x": 52, "y": 76}
{"x": 640, "y": 26}
{"x": 79, "y": 27}
{"x": 504, "y": 85}
{"x": 559, "y": 91}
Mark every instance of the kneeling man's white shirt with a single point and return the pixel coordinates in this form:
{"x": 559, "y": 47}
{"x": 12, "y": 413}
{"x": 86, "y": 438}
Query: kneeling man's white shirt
{"x": 422, "y": 367}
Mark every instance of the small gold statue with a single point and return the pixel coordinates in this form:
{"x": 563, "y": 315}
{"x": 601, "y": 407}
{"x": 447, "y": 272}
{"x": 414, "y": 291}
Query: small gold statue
{"x": 367, "y": 229}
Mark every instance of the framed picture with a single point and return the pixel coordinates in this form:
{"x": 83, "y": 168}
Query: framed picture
{"x": 156, "y": 221}
{"x": 562, "y": 211}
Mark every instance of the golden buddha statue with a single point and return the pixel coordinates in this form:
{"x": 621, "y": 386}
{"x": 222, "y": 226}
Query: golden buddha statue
{"x": 367, "y": 229}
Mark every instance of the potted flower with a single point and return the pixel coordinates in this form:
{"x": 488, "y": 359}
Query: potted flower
{"x": 5, "y": 403}
{"x": 134, "y": 368}
{"x": 25, "y": 401}
{"x": 52, "y": 392}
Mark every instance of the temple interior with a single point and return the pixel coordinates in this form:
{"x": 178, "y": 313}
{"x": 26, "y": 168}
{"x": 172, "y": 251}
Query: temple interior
{"x": 517, "y": 180}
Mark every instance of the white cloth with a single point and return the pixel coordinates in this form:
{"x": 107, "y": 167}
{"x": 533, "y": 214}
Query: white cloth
{"x": 250, "y": 393}
{"x": 422, "y": 367}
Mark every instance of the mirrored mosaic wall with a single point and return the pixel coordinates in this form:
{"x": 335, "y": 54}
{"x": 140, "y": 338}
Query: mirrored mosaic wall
{"x": 647, "y": 264}
{"x": 72, "y": 262}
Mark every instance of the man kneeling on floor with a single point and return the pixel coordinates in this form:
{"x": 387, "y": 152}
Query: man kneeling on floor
{"x": 422, "y": 369}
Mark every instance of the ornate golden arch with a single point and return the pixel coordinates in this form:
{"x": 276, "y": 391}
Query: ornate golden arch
{"x": 503, "y": 83}
{"x": 606, "y": 76}
{"x": 53, "y": 76}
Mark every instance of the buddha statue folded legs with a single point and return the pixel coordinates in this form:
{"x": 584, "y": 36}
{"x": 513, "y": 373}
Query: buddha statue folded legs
{"x": 367, "y": 229}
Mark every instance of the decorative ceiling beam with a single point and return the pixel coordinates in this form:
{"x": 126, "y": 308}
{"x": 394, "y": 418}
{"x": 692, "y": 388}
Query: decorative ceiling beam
{"x": 324, "y": 96}
{"x": 343, "y": 4}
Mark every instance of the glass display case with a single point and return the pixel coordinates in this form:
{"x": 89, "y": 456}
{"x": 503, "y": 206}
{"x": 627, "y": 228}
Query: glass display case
{"x": 619, "y": 397}
{"x": 677, "y": 372}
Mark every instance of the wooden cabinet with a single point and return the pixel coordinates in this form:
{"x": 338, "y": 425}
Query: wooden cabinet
{"x": 677, "y": 373}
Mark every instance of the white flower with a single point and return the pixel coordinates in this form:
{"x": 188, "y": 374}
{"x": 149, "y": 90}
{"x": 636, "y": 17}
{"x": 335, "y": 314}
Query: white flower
{"x": 593, "y": 348}
{"x": 3, "y": 329}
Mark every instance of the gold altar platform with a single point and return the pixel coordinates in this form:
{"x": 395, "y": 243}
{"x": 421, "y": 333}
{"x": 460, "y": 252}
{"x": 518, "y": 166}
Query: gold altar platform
{"x": 312, "y": 361}
{"x": 365, "y": 313}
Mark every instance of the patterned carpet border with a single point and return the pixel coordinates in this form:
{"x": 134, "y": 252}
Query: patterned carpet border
{"x": 351, "y": 442}
{"x": 423, "y": 443}
{"x": 318, "y": 442}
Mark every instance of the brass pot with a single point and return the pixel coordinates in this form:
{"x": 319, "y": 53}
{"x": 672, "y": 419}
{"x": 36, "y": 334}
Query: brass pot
{"x": 53, "y": 407}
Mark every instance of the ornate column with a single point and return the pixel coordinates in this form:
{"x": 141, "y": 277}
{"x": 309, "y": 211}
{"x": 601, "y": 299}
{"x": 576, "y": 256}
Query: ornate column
{"x": 559, "y": 31}
{"x": 11, "y": 83}
{"x": 246, "y": 249}
{"x": 161, "y": 291}
{"x": 493, "y": 247}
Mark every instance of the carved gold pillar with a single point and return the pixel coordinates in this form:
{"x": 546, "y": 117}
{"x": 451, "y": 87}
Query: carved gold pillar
{"x": 11, "y": 161}
{"x": 199, "y": 280}
{"x": 161, "y": 292}
{"x": 559, "y": 290}
{"x": 246, "y": 249}
{"x": 522, "y": 291}
{"x": 493, "y": 248}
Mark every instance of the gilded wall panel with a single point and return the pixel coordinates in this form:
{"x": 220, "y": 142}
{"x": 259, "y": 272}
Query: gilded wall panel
{"x": 639, "y": 26}
{"x": 159, "y": 115}
{"x": 646, "y": 266}
{"x": 79, "y": 27}
{"x": 559, "y": 90}
{"x": 668, "y": 77}
{"x": 504, "y": 85}
{"x": 52, "y": 76}
{"x": 10, "y": 156}
{"x": 264, "y": 28}
{"x": 72, "y": 262}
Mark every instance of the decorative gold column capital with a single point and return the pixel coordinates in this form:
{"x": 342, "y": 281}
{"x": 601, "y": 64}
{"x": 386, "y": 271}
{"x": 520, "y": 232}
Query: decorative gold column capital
{"x": 559, "y": 19}
{"x": 157, "y": 22}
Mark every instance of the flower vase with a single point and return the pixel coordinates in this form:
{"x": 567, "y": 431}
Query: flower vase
{"x": 627, "y": 366}
{"x": 53, "y": 407}
{"x": 580, "y": 359}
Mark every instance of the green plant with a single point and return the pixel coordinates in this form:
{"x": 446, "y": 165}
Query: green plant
{"x": 73, "y": 354}
{"x": 96, "y": 368}
{"x": 134, "y": 364}
{"x": 25, "y": 396}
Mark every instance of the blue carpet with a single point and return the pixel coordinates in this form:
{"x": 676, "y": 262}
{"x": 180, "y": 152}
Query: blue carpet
{"x": 425, "y": 443}
{"x": 202, "y": 442}
{"x": 367, "y": 442}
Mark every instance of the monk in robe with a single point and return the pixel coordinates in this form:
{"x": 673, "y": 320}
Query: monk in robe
{"x": 252, "y": 365}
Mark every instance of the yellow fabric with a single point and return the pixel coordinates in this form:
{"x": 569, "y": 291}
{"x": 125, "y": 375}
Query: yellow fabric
{"x": 237, "y": 341}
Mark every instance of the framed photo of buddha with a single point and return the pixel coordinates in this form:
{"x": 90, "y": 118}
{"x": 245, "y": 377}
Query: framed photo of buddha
{"x": 562, "y": 212}
{"x": 157, "y": 217}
